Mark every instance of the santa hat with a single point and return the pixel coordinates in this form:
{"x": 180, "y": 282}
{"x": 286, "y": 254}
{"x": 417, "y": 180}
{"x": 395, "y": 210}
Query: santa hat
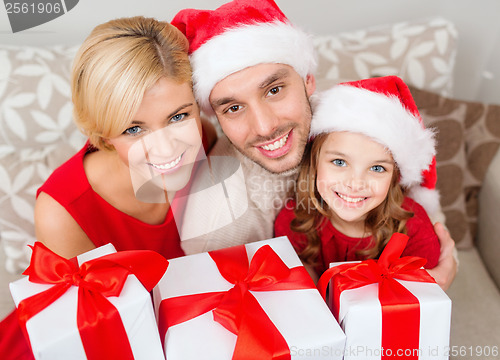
{"x": 237, "y": 35}
{"x": 384, "y": 110}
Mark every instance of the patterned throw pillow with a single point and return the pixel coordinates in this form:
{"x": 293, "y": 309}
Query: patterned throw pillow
{"x": 468, "y": 139}
{"x": 37, "y": 135}
{"x": 421, "y": 52}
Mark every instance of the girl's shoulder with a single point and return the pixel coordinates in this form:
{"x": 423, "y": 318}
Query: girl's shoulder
{"x": 282, "y": 227}
{"x": 287, "y": 213}
{"x": 420, "y": 220}
{"x": 411, "y": 205}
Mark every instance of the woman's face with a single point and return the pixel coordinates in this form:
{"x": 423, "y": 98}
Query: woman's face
{"x": 163, "y": 140}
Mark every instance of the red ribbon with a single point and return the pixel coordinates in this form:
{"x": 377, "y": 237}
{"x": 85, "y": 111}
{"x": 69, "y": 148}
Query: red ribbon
{"x": 400, "y": 308}
{"x": 237, "y": 309}
{"x": 99, "y": 323}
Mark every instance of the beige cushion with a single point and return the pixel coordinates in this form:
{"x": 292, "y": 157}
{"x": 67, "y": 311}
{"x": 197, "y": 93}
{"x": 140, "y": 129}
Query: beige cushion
{"x": 448, "y": 118}
{"x": 468, "y": 138}
{"x": 421, "y": 52}
{"x": 488, "y": 241}
{"x": 38, "y": 134}
{"x": 6, "y": 302}
{"x": 475, "y": 317}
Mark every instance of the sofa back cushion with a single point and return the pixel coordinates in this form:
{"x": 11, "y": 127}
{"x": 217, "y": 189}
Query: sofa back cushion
{"x": 37, "y": 135}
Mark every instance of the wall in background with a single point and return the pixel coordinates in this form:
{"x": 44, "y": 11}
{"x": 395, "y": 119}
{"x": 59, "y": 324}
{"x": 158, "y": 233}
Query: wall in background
{"x": 477, "y": 74}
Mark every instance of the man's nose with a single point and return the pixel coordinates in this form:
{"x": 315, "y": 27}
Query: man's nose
{"x": 263, "y": 120}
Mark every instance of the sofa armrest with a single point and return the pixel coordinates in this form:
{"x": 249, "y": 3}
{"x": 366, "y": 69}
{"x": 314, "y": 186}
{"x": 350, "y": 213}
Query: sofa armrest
{"x": 488, "y": 240}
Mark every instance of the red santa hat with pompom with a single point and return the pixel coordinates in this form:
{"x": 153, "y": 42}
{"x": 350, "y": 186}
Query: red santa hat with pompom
{"x": 384, "y": 110}
{"x": 237, "y": 35}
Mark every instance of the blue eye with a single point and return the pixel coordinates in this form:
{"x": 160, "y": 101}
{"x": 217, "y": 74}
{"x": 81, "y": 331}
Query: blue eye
{"x": 339, "y": 162}
{"x": 133, "y": 131}
{"x": 177, "y": 118}
{"x": 378, "y": 168}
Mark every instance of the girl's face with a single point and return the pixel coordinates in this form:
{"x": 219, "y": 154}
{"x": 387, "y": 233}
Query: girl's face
{"x": 163, "y": 140}
{"x": 353, "y": 177}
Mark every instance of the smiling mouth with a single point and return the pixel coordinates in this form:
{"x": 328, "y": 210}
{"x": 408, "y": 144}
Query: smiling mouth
{"x": 350, "y": 199}
{"x": 278, "y": 144}
{"x": 167, "y": 166}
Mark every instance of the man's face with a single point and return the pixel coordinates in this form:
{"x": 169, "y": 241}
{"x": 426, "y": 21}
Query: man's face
{"x": 264, "y": 110}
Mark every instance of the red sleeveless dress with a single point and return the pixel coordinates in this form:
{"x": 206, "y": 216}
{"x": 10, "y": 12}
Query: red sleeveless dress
{"x": 103, "y": 224}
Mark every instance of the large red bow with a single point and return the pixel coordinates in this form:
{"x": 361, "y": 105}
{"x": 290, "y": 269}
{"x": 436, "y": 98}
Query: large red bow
{"x": 400, "y": 308}
{"x": 237, "y": 309}
{"x": 99, "y": 323}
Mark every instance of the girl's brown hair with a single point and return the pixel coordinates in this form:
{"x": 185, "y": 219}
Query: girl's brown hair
{"x": 114, "y": 67}
{"x": 311, "y": 209}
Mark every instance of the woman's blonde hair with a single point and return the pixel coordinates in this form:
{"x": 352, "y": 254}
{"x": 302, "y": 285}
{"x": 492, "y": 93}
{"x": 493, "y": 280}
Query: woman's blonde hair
{"x": 115, "y": 65}
{"x": 311, "y": 210}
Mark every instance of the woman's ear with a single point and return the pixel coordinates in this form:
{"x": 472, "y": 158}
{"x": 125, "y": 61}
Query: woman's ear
{"x": 107, "y": 143}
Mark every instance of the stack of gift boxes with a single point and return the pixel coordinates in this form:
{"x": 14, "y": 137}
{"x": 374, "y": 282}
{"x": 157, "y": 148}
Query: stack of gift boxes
{"x": 254, "y": 301}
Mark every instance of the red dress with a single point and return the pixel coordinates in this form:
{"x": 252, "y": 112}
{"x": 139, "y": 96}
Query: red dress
{"x": 103, "y": 224}
{"x": 336, "y": 247}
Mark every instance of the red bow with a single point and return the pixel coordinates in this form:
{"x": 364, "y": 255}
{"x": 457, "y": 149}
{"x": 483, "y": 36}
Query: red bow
{"x": 400, "y": 308}
{"x": 237, "y": 309}
{"x": 99, "y": 323}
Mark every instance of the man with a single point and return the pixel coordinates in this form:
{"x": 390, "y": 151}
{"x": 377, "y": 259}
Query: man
{"x": 254, "y": 70}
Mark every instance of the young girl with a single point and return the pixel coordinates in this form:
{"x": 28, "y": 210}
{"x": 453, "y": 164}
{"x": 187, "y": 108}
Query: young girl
{"x": 368, "y": 153}
{"x": 132, "y": 97}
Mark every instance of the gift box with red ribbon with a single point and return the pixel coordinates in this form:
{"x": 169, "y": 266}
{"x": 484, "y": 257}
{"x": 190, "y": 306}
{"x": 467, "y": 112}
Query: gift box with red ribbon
{"x": 389, "y": 308}
{"x": 95, "y": 306}
{"x": 254, "y": 301}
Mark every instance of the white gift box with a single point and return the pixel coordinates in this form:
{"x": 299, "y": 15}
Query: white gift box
{"x": 54, "y": 333}
{"x": 301, "y": 316}
{"x": 360, "y": 316}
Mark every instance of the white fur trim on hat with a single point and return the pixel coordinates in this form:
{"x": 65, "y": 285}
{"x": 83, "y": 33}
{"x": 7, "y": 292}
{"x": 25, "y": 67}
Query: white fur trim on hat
{"x": 248, "y": 45}
{"x": 429, "y": 199}
{"x": 382, "y": 118}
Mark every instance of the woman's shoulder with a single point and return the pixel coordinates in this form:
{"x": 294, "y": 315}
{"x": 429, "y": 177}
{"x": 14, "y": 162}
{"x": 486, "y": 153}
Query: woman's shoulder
{"x": 57, "y": 229}
{"x": 69, "y": 177}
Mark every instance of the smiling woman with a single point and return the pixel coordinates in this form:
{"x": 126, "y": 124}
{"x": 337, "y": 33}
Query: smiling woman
{"x": 132, "y": 96}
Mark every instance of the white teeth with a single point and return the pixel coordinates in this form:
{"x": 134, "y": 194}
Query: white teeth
{"x": 167, "y": 166}
{"x": 350, "y": 199}
{"x": 278, "y": 144}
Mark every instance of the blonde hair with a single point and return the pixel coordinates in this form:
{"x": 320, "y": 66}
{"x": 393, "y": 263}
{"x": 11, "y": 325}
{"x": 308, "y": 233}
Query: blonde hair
{"x": 312, "y": 211}
{"x": 115, "y": 65}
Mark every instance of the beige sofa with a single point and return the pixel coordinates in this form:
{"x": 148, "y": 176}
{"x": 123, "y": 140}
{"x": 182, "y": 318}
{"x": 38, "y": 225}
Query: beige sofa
{"x": 37, "y": 135}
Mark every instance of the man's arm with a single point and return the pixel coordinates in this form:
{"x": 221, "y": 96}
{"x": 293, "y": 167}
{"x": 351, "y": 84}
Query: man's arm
{"x": 446, "y": 269}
